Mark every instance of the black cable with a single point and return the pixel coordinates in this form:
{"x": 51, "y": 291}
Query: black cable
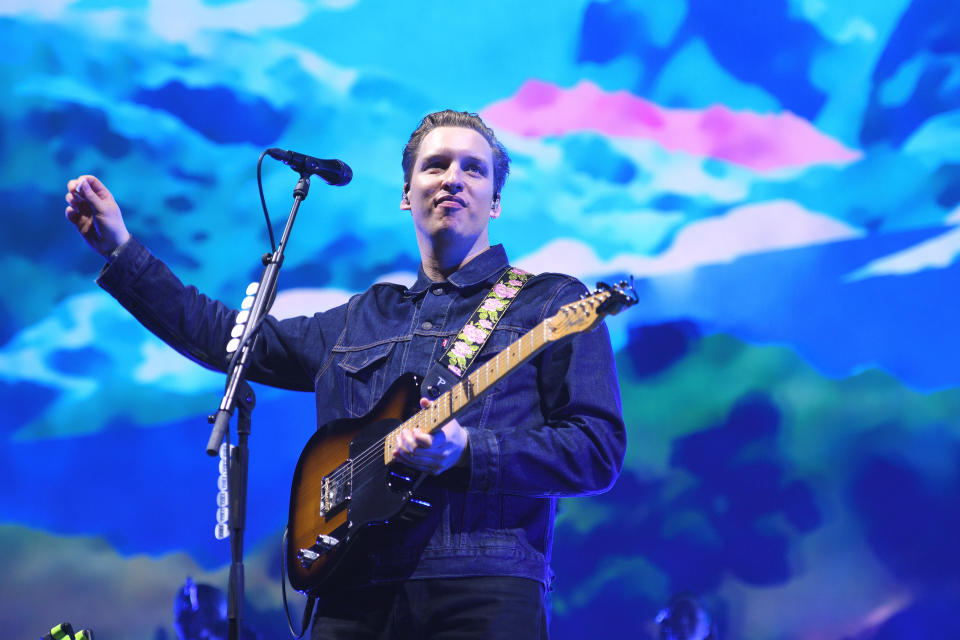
{"x": 308, "y": 610}
{"x": 273, "y": 250}
{"x": 263, "y": 202}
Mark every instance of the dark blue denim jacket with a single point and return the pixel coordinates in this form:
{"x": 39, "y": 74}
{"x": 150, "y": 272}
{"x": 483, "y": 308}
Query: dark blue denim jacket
{"x": 552, "y": 428}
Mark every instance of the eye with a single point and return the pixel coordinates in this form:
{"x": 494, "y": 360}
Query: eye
{"x": 434, "y": 165}
{"x": 476, "y": 167}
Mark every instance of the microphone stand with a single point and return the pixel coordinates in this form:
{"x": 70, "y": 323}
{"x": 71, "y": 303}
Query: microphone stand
{"x": 238, "y": 394}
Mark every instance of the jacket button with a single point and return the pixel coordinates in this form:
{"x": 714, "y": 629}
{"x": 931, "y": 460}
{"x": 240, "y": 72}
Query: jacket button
{"x": 427, "y": 325}
{"x": 437, "y": 291}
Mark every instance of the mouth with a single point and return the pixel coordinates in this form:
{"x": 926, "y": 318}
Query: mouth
{"x": 451, "y": 199}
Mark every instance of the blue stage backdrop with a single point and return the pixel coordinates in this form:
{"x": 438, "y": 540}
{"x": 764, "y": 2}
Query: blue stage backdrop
{"x": 781, "y": 176}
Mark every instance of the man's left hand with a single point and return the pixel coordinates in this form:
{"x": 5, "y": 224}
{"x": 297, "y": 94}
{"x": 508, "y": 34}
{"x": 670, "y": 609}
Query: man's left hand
{"x": 433, "y": 453}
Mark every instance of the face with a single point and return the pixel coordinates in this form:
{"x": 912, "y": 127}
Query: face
{"x": 450, "y": 192}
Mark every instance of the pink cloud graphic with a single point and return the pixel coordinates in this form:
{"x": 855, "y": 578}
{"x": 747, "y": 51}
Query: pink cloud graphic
{"x": 763, "y": 142}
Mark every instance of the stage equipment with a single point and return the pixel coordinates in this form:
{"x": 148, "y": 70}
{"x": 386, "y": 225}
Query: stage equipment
{"x": 64, "y": 631}
{"x": 237, "y": 393}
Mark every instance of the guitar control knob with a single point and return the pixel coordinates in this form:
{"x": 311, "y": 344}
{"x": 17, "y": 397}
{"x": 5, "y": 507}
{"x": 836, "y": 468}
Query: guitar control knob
{"x": 307, "y": 557}
{"x": 326, "y": 542}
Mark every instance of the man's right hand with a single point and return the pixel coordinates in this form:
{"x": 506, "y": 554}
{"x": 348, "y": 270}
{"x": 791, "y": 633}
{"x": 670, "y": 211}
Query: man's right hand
{"x": 92, "y": 209}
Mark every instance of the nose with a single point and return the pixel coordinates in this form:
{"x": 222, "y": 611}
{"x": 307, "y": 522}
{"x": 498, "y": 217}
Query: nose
{"x": 453, "y": 178}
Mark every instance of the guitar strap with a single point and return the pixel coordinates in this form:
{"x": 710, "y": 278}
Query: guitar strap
{"x": 479, "y": 327}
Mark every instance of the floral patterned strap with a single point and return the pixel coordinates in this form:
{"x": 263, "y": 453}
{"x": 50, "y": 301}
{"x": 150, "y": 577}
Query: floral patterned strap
{"x": 480, "y": 325}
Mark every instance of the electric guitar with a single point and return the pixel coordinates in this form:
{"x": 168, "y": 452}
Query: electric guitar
{"x": 349, "y": 491}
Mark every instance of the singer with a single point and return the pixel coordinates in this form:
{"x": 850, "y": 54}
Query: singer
{"x": 478, "y": 565}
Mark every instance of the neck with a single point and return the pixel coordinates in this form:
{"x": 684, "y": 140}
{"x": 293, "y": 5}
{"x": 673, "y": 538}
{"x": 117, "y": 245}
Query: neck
{"x": 440, "y": 259}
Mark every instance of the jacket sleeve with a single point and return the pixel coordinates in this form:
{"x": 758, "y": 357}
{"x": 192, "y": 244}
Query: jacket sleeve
{"x": 287, "y": 352}
{"x": 579, "y": 447}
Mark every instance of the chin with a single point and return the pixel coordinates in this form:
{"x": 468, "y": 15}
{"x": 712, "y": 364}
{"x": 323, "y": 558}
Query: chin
{"x": 446, "y": 233}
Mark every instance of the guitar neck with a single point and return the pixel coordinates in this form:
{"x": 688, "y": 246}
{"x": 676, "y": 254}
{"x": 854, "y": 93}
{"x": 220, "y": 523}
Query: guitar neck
{"x": 453, "y": 402}
{"x": 573, "y": 317}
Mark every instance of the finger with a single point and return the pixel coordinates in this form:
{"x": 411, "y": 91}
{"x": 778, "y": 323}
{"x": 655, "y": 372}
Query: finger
{"x": 73, "y": 183}
{"x": 424, "y": 403}
{"x": 90, "y": 190}
{"x": 419, "y": 459}
{"x": 85, "y": 192}
{"x": 429, "y": 462}
{"x": 422, "y": 439}
{"x": 74, "y": 200}
{"x": 415, "y": 440}
{"x": 407, "y": 442}
{"x": 423, "y": 465}
{"x": 416, "y": 445}
{"x": 94, "y": 182}
{"x": 75, "y": 206}
{"x": 98, "y": 189}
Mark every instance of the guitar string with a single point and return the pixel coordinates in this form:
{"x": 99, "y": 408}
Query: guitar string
{"x": 375, "y": 451}
{"x": 363, "y": 461}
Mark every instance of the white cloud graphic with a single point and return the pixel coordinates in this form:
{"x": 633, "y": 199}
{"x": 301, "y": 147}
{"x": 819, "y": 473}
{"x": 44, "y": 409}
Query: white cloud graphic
{"x": 937, "y": 253}
{"x": 750, "y": 229}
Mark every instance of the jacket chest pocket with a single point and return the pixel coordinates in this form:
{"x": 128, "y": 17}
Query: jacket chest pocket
{"x": 365, "y": 376}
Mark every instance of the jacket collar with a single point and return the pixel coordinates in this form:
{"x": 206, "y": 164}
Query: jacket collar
{"x": 483, "y": 269}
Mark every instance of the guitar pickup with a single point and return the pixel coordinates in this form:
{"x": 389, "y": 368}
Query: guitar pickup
{"x": 324, "y": 544}
{"x": 336, "y": 488}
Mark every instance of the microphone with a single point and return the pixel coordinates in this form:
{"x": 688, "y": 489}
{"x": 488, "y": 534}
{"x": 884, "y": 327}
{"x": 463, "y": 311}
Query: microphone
{"x": 334, "y": 172}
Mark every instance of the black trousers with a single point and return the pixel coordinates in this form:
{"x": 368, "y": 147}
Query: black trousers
{"x": 480, "y": 608}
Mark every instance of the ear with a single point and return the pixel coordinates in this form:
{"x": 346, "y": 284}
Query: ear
{"x": 404, "y": 198}
{"x": 495, "y": 208}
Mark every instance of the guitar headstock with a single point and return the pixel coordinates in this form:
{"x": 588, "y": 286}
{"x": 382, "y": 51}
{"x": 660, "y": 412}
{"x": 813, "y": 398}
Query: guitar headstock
{"x": 586, "y": 313}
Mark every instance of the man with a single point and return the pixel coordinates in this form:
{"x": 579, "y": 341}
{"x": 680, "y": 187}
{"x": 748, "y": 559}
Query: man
{"x": 478, "y": 565}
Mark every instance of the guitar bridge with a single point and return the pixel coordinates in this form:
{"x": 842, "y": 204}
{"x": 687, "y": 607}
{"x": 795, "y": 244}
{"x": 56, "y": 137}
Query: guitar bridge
{"x": 310, "y": 555}
{"x": 336, "y": 489}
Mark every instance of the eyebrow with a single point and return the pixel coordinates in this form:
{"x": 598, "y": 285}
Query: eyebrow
{"x": 446, "y": 156}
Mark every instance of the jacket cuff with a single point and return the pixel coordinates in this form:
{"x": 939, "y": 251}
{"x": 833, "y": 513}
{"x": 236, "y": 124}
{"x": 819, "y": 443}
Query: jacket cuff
{"x": 124, "y": 266}
{"x": 484, "y": 460}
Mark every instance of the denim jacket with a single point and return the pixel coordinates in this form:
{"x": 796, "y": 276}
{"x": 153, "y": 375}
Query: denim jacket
{"x": 552, "y": 428}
